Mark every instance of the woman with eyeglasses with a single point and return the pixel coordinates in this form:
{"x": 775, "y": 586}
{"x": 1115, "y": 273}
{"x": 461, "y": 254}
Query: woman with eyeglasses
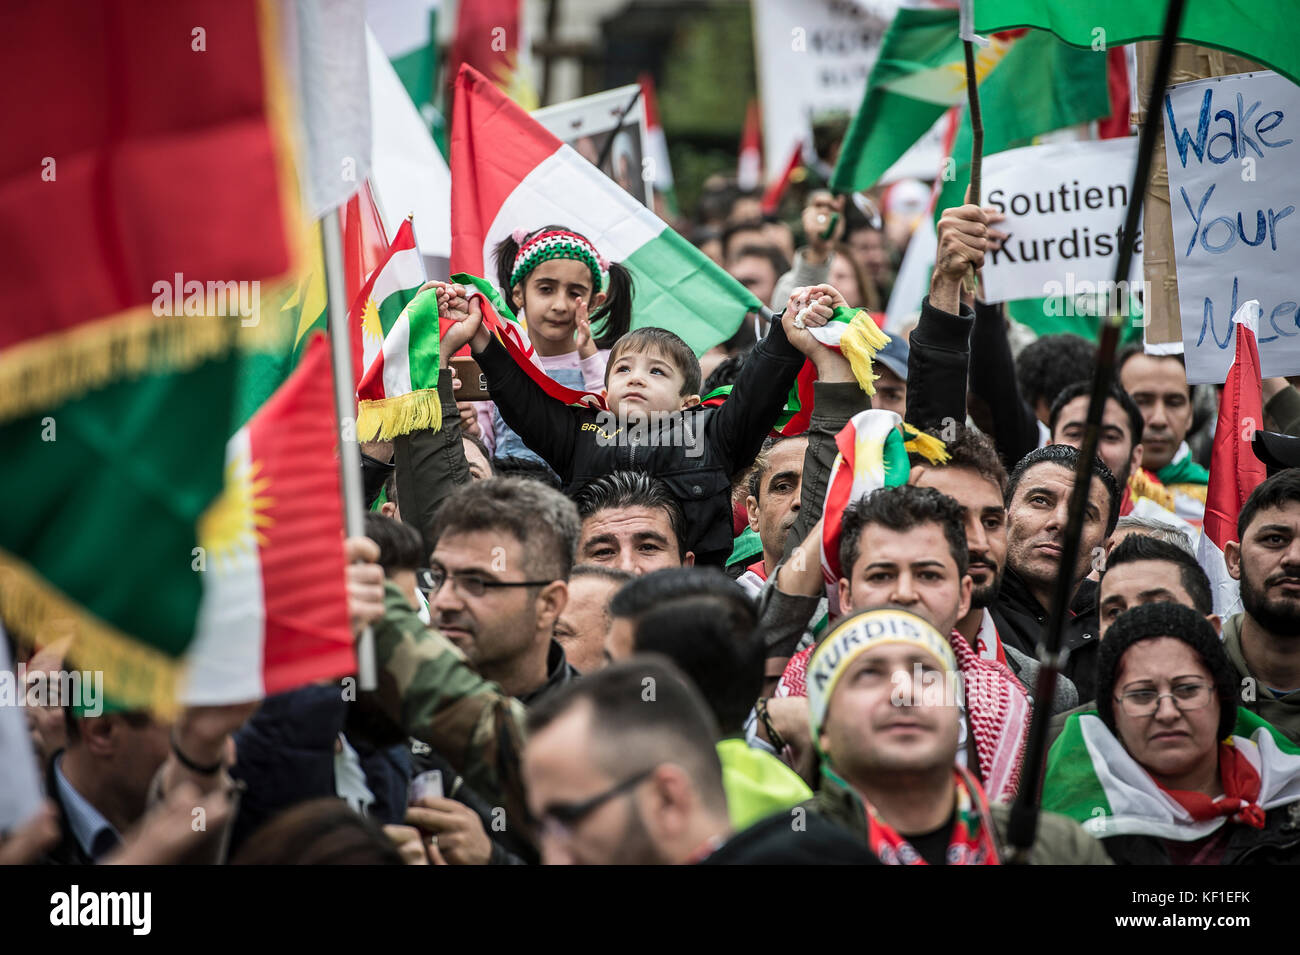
{"x": 1168, "y": 769}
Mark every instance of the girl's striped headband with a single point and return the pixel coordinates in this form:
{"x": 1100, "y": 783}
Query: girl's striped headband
{"x": 557, "y": 244}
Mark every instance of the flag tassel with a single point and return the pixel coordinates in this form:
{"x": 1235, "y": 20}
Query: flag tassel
{"x": 859, "y": 344}
{"x": 386, "y": 418}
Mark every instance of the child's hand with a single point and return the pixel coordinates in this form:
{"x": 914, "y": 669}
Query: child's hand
{"x": 467, "y": 317}
{"x": 586, "y": 346}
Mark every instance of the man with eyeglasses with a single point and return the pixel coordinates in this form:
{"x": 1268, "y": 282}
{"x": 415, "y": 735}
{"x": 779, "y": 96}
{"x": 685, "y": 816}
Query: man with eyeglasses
{"x": 498, "y": 581}
{"x": 621, "y": 769}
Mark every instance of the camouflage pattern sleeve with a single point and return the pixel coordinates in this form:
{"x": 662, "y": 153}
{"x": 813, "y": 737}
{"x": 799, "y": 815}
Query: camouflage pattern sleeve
{"x": 428, "y": 687}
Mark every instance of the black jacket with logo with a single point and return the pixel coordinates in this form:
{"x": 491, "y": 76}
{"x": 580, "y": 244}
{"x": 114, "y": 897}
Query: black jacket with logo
{"x": 695, "y": 452}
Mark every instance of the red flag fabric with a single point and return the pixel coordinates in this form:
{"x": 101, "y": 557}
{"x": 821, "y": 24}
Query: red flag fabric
{"x": 365, "y": 249}
{"x": 487, "y": 38}
{"x": 274, "y": 614}
{"x": 138, "y": 155}
{"x": 1234, "y": 469}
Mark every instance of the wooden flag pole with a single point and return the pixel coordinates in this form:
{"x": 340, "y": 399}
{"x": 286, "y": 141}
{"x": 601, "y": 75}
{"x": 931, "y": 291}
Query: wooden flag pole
{"x": 345, "y": 403}
{"x": 1023, "y": 825}
{"x": 977, "y": 142}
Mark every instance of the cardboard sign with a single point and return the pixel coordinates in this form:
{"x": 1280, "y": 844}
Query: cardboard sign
{"x": 1232, "y": 147}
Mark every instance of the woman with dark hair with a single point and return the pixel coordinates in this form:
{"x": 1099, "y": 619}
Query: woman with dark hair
{"x": 1168, "y": 769}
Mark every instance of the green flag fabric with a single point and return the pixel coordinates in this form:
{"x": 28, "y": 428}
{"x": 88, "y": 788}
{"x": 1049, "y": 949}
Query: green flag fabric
{"x": 1258, "y": 29}
{"x": 103, "y": 546}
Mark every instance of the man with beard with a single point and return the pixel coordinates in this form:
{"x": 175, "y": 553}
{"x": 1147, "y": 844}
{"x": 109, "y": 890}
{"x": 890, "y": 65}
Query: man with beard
{"x": 974, "y": 477}
{"x": 1038, "y": 504}
{"x": 498, "y": 581}
{"x": 1263, "y": 642}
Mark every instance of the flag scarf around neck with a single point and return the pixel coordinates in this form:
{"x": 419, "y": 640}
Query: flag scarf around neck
{"x": 274, "y": 613}
{"x": 1092, "y": 779}
{"x": 1235, "y": 471}
{"x": 398, "y": 389}
{"x": 873, "y": 453}
{"x": 972, "y": 841}
{"x": 1248, "y": 27}
{"x": 513, "y": 335}
{"x": 163, "y": 182}
{"x": 508, "y": 173}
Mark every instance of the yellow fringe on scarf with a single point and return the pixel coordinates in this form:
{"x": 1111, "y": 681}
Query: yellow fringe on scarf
{"x": 44, "y": 373}
{"x": 135, "y": 675}
{"x": 927, "y": 445}
{"x": 390, "y": 417}
{"x": 859, "y": 344}
{"x": 1140, "y": 485}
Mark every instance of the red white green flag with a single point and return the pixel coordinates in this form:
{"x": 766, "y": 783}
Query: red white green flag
{"x": 274, "y": 613}
{"x": 508, "y": 173}
{"x": 398, "y": 388}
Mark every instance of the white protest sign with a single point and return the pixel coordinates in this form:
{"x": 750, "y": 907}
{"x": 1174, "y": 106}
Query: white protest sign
{"x": 1231, "y": 144}
{"x": 20, "y": 786}
{"x": 1064, "y": 205}
{"x": 587, "y": 123}
{"x": 814, "y": 57}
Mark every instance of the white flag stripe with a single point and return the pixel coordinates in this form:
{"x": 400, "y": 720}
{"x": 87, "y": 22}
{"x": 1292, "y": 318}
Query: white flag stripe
{"x": 561, "y": 190}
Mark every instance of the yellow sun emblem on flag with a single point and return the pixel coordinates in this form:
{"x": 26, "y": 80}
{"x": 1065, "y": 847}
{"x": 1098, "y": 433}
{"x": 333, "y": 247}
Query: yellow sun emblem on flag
{"x": 371, "y": 328}
{"x": 232, "y": 525}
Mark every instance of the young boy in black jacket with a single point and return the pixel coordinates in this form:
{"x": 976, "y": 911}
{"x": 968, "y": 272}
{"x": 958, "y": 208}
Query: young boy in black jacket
{"x": 654, "y": 422}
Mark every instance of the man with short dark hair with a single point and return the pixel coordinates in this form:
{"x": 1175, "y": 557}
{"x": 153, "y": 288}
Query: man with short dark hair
{"x": 1263, "y": 641}
{"x": 633, "y": 522}
{"x": 757, "y": 267}
{"x": 622, "y": 768}
{"x": 1119, "y": 440}
{"x": 1142, "y": 570}
{"x": 1038, "y": 502}
{"x": 1158, "y": 383}
{"x": 772, "y": 504}
{"x": 504, "y": 548}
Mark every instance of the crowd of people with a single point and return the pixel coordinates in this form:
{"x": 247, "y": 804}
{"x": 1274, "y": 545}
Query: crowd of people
{"x": 606, "y": 645}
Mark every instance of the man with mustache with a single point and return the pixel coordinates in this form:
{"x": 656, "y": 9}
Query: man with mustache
{"x": 1263, "y": 641}
{"x": 1038, "y": 503}
{"x": 498, "y": 581}
{"x": 974, "y": 477}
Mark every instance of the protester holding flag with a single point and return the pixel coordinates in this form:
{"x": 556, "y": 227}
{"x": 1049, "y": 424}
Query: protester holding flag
{"x": 1167, "y": 769}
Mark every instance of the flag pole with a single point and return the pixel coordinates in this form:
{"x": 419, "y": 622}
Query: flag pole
{"x": 345, "y": 403}
{"x": 618, "y": 124}
{"x": 976, "y": 125}
{"x": 1023, "y": 825}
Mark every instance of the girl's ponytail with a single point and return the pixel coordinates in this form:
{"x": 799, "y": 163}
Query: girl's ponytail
{"x": 504, "y": 253}
{"x": 615, "y": 313}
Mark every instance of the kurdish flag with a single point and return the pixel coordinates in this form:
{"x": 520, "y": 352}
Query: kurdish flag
{"x": 873, "y": 453}
{"x": 508, "y": 172}
{"x": 1092, "y": 779}
{"x": 1253, "y": 28}
{"x": 99, "y": 541}
{"x": 920, "y": 73}
{"x": 274, "y": 612}
{"x": 398, "y": 389}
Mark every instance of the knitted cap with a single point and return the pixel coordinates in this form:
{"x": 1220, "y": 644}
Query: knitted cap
{"x": 1149, "y": 621}
{"x": 558, "y": 244}
{"x": 857, "y": 634}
